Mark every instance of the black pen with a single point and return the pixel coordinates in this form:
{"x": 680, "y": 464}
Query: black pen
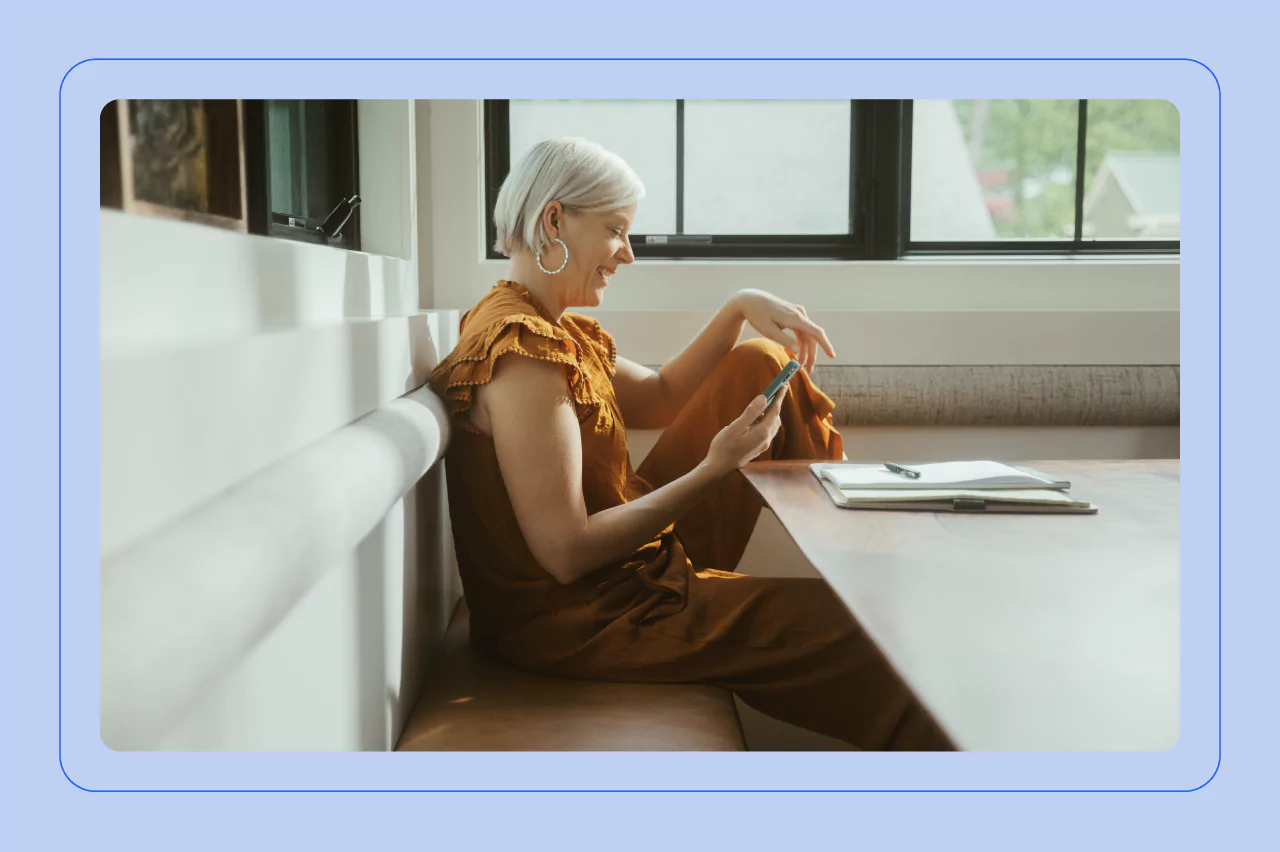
{"x": 904, "y": 471}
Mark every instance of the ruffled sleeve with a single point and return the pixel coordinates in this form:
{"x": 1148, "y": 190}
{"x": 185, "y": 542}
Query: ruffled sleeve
{"x": 600, "y": 341}
{"x": 472, "y": 363}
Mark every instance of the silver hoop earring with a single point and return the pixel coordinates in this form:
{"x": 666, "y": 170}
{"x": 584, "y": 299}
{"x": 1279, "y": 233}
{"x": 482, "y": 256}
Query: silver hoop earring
{"x": 538, "y": 259}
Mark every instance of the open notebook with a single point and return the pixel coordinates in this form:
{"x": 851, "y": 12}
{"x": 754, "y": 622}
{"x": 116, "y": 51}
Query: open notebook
{"x": 986, "y": 475}
{"x": 1048, "y": 496}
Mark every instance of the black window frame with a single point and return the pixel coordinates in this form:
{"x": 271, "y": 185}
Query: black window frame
{"x": 879, "y": 195}
{"x": 345, "y": 158}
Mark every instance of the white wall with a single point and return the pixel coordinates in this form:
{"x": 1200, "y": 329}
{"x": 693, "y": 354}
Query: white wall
{"x": 223, "y": 354}
{"x": 388, "y": 173}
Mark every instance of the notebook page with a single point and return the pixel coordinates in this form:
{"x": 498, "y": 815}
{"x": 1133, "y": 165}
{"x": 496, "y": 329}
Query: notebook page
{"x": 940, "y": 474}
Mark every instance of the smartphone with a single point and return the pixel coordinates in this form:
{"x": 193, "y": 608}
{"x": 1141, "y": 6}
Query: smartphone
{"x": 781, "y": 379}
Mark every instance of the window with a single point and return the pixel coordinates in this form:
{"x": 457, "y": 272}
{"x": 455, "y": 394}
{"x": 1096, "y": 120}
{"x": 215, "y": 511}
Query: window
{"x": 280, "y": 168}
{"x": 723, "y": 178}
{"x": 1044, "y": 175}
{"x": 767, "y": 167}
{"x": 303, "y": 172}
{"x": 1131, "y": 171}
{"x": 873, "y": 179}
{"x": 642, "y": 132}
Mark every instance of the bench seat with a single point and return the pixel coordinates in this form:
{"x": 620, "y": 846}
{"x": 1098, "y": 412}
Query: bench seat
{"x": 473, "y": 701}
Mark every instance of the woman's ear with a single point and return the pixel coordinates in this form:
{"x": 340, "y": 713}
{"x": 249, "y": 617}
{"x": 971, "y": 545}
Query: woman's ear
{"x": 552, "y": 218}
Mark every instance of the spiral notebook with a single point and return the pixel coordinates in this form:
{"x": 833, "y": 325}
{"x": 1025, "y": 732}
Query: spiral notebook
{"x": 949, "y": 487}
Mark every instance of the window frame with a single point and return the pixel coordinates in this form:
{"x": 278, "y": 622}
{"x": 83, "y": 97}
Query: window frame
{"x": 258, "y": 177}
{"x": 879, "y": 195}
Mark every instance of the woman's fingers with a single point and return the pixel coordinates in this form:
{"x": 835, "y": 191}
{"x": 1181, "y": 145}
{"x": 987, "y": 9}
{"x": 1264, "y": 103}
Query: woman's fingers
{"x": 757, "y": 411}
{"x": 753, "y": 410}
{"x": 786, "y": 324}
{"x": 754, "y": 429}
{"x": 807, "y": 352}
{"x": 816, "y": 331}
{"x": 773, "y": 413}
{"x": 818, "y": 335}
{"x": 777, "y": 398}
{"x": 806, "y": 326}
{"x": 773, "y": 416}
{"x": 791, "y": 327}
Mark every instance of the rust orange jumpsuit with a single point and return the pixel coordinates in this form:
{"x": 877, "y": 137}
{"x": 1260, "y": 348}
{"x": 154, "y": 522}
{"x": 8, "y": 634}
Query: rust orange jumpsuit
{"x": 673, "y": 611}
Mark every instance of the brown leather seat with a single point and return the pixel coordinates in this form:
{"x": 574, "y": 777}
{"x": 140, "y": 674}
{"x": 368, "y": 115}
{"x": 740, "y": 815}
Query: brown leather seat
{"x": 473, "y": 701}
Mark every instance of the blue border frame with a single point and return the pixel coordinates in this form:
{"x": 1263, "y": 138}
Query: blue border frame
{"x": 1216, "y": 81}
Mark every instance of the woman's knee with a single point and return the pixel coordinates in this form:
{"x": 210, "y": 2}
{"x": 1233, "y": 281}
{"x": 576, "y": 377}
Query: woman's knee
{"x": 745, "y": 371}
{"x": 759, "y": 355}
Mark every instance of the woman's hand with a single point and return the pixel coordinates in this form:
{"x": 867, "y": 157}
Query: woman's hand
{"x": 744, "y": 438}
{"x": 785, "y": 323}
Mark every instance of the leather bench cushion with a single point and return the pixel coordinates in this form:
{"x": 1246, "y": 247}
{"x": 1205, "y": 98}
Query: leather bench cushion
{"x": 473, "y": 701}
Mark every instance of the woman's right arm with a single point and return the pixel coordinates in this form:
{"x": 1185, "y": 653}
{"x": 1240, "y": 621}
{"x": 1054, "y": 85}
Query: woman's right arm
{"x": 539, "y": 450}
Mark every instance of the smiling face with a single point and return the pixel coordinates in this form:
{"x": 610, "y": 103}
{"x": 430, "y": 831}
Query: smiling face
{"x": 599, "y": 242}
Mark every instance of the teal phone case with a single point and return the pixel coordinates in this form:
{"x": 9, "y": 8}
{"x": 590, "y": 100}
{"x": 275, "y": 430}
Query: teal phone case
{"x": 781, "y": 379}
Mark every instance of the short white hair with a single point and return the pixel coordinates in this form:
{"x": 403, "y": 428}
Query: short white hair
{"x": 580, "y": 174}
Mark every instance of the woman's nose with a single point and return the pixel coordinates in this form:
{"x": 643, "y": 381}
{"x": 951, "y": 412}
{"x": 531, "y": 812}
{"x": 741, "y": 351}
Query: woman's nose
{"x": 626, "y": 255}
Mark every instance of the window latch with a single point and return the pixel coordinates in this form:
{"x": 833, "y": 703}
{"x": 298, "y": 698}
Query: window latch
{"x": 333, "y": 224}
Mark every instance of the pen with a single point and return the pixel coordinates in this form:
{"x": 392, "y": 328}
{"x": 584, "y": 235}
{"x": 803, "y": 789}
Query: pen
{"x": 904, "y": 471}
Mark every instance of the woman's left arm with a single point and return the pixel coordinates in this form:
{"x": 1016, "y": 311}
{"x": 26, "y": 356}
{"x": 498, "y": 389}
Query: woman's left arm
{"x": 651, "y": 399}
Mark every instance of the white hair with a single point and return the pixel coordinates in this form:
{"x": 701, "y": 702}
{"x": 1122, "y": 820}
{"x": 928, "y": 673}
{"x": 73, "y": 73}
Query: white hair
{"x": 581, "y": 175}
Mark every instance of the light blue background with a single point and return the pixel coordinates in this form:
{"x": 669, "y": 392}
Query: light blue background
{"x": 47, "y": 804}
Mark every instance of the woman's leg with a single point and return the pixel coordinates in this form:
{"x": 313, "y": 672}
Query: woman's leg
{"x": 802, "y": 658}
{"x": 716, "y": 531}
{"x": 787, "y": 647}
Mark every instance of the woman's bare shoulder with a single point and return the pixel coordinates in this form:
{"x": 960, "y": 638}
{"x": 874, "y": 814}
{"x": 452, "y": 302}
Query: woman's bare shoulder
{"x": 518, "y": 385}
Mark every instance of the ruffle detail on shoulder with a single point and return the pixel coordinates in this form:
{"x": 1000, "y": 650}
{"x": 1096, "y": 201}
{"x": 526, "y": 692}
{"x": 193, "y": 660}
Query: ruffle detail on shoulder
{"x": 601, "y": 340}
{"x": 473, "y": 362}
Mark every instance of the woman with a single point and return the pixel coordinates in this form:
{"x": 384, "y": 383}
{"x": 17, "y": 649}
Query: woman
{"x": 576, "y": 565}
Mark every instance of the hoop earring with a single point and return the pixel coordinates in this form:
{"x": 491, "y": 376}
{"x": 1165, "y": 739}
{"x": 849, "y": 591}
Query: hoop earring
{"x": 538, "y": 259}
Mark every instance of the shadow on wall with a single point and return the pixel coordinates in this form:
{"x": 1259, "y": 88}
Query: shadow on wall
{"x": 409, "y": 552}
{"x": 430, "y": 574}
{"x": 404, "y": 579}
{"x": 431, "y": 586}
{"x": 371, "y": 553}
{"x": 357, "y": 293}
{"x": 371, "y": 638}
{"x": 388, "y": 556}
{"x": 299, "y": 282}
{"x": 277, "y": 276}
